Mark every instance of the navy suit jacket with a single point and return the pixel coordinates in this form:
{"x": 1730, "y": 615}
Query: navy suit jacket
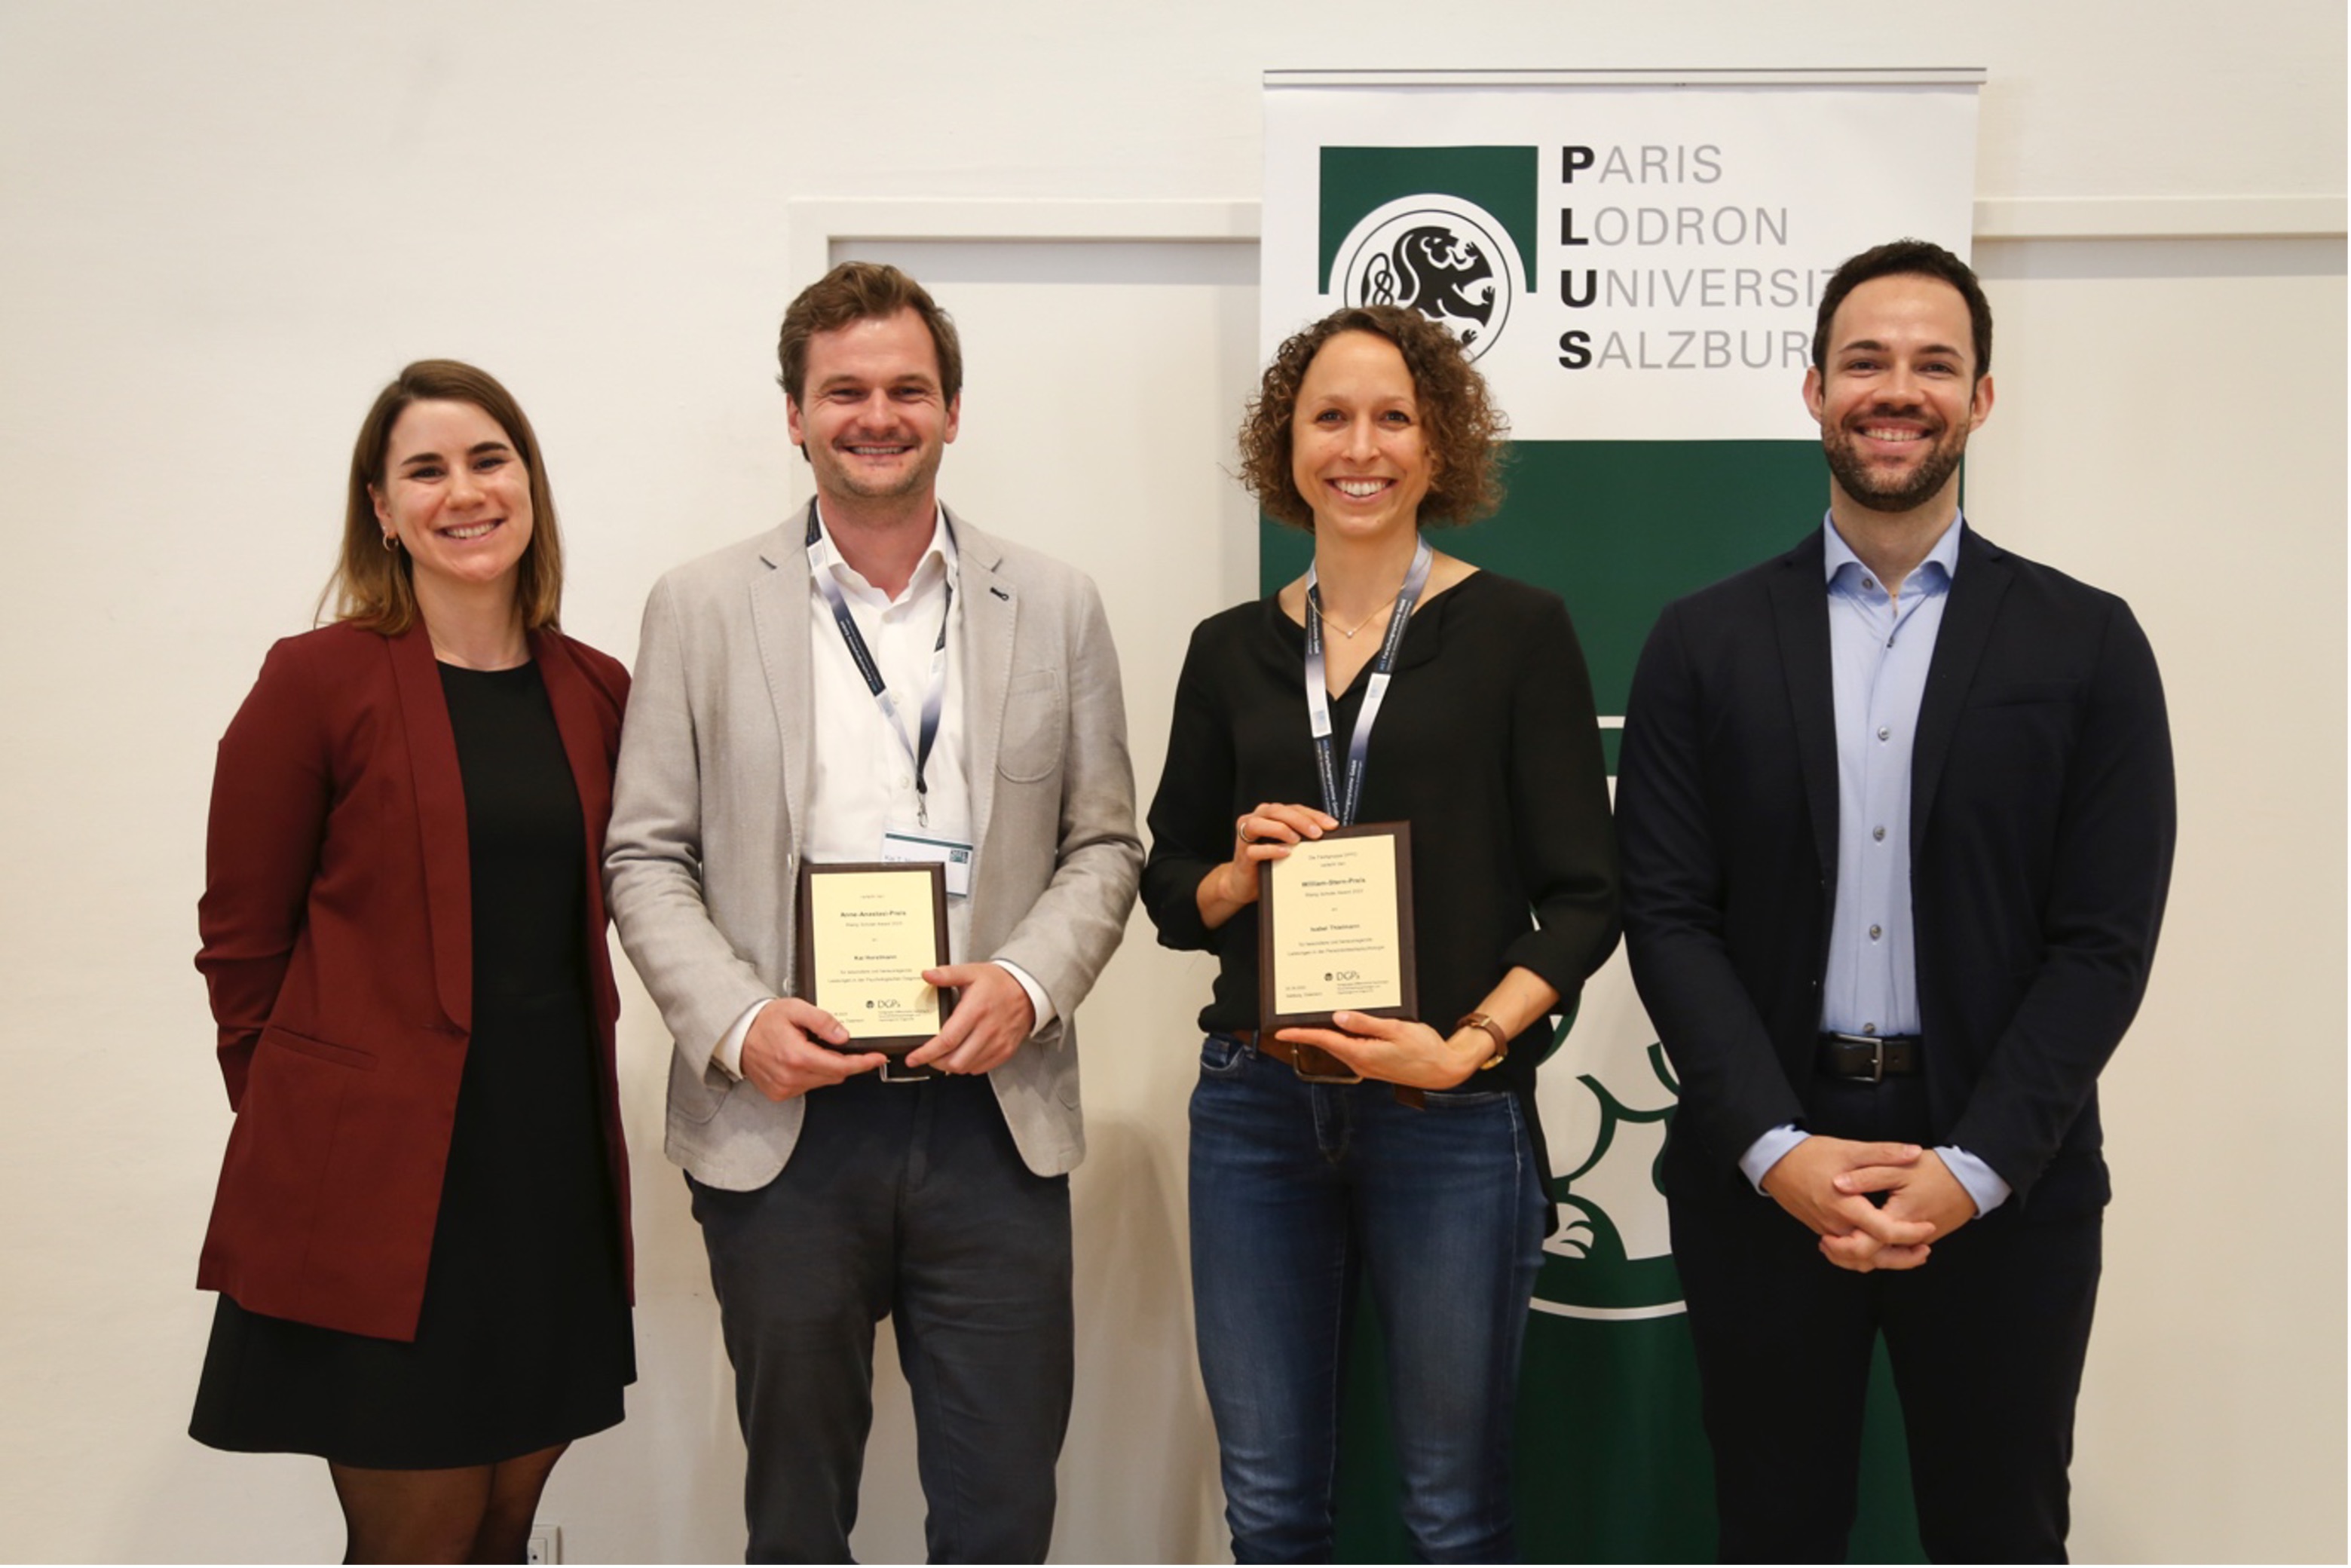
{"x": 2042, "y": 828}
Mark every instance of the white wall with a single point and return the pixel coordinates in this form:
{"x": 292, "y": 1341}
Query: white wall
{"x": 222, "y": 227}
{"x": 2141, "y": 441}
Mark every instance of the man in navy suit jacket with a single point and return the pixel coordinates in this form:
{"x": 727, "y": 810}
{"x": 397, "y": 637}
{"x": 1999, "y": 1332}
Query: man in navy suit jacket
{"x": 1897, "y": 819}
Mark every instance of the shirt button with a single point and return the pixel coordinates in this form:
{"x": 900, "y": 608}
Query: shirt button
{"x": 1885, "y": 732}
{"x": 1878, "y": 834}
{"x": 1875, "y": 931}
{"x": 1869, "y": 582}
{"x": 1869, "y": 1029}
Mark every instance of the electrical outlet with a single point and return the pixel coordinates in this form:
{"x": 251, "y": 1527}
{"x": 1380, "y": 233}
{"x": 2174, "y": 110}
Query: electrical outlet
{"x": 546, "y": 1544}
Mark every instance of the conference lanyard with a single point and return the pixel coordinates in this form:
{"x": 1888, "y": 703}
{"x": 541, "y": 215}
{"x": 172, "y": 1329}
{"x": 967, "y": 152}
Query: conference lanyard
{"x": 1342, "y": 804}
{"x": 918, "y": 751}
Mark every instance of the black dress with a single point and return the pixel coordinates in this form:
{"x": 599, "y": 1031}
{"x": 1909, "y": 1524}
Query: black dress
{"x": 525, "y": 1339}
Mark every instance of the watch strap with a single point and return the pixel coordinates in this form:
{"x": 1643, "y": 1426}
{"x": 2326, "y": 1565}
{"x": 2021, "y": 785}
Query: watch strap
{"x": 1502, "y": 1041}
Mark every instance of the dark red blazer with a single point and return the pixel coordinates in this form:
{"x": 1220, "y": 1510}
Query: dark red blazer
{"x": 338, "y": 944}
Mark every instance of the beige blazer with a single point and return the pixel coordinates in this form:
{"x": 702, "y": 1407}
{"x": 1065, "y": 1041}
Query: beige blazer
{"x": 701, "y": 863}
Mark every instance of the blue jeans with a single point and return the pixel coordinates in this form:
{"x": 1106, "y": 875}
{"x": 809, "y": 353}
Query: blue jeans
{"x": 1300, "y": 1190}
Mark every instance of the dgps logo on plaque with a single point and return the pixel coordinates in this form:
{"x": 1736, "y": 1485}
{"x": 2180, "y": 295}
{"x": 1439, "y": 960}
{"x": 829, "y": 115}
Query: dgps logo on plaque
{"x": 1438, "y": 255}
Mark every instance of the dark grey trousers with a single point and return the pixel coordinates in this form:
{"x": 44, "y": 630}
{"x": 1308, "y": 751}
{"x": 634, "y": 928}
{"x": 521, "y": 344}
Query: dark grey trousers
{"x": 908, "y": 1201}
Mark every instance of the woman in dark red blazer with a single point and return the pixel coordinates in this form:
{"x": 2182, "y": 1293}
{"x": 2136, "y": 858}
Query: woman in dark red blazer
{"x": 420, "y": 1234}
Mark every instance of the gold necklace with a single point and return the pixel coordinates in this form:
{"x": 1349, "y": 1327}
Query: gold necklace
{"x": 1349, "y": 632}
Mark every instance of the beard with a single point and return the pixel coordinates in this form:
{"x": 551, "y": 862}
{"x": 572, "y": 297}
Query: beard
{"x": 1884, "y": 491}
{"x": 836, "y": 475}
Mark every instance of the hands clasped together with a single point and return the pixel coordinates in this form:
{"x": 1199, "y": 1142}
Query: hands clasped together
{"x": 1827, "y": 1182}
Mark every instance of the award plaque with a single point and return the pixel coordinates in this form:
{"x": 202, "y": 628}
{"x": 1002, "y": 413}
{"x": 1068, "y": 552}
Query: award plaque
{"x": 866, "y": 932}
{"x": 1334, "y": 934}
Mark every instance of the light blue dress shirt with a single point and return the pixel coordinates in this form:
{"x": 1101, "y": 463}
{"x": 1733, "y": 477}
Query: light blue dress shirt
{"x": 1879, "y": 648}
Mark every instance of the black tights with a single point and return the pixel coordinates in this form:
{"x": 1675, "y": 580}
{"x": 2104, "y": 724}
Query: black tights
{"x": 475, "y": 1514}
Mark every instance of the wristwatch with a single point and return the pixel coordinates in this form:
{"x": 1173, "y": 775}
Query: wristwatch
{"x": 1502, "y": 1041}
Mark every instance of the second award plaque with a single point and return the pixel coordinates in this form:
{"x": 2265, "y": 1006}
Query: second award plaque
{"x": 1335, "y": 928}
{"x": 866, "y": 932}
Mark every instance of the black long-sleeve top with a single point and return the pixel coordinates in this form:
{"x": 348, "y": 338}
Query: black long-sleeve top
{"x": 1487, "y": 743}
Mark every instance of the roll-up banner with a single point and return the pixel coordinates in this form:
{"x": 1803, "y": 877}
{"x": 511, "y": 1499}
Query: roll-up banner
{"x": 1634, "y": 260}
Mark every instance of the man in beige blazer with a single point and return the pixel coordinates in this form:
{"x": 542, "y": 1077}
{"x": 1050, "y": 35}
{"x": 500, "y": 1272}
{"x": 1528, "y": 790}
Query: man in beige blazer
{"x": 878, "y": 679}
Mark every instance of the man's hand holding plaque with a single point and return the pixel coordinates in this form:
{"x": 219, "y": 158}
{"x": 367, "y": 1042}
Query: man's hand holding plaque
{"x": 992, "y": 1017}
{"x": 792, "y": 1047}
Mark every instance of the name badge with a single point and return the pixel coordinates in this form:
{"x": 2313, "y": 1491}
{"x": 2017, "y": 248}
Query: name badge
{"x": 954, "y": 857}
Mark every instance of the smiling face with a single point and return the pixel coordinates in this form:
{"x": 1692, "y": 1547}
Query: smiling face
{"x": 455, "y": 494}
{"x": 1900, "y": 395}
{"x": 1357, "y": 451}
{"x": 875, "y": 423}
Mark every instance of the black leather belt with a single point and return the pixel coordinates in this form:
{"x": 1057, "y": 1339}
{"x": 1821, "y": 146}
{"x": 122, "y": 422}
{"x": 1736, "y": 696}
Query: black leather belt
{"x": 1870, "y": 1058}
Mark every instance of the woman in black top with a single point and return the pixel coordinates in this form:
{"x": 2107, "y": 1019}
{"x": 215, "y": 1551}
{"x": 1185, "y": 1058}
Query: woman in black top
{"x": 421, "y": 1237}
{"x": 1425, "y": 1179}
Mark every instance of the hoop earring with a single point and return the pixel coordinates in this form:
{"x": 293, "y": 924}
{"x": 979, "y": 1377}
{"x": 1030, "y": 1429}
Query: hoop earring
{"x": 391, "y": 544}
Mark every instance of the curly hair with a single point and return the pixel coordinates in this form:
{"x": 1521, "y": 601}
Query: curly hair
{"x": 1458, "y": 418}
{"x": 374, "y": 586}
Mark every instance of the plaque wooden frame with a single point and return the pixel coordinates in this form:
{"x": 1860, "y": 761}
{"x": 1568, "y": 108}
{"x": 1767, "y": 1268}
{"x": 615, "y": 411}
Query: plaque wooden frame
{"x": 804, "y": 945}
{"x": 1270, "y": 909}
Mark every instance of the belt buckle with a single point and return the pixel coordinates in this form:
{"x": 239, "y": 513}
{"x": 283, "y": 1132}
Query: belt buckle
{"x": 1313, "y": 1064}
{"x": 1876, "y": 1044}
{"x": 919, "y": 1075}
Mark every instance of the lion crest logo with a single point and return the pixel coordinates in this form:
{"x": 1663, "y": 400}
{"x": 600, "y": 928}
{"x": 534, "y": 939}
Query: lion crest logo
{"x": 1438, "y": 255}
